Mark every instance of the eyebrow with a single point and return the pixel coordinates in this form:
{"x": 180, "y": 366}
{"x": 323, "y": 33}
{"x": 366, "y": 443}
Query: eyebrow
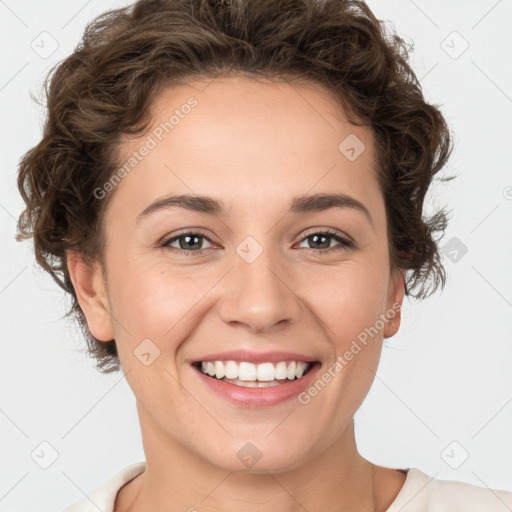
{"x": 301, "y": 204}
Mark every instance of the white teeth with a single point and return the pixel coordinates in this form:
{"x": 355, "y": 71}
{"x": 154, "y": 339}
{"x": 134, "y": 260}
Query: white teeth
{"x": 263, "y": 373}
{"x": 281, "y": 372}
{"x": 231, "y": 369}
{"x": 247, "y": 371}
{"x": 291, "y": 370}
{"x": 301, "y": 368}
{"x": 251, "y": 383}
{"x": 219, "y": 369}
{"x": 268, "y": 384}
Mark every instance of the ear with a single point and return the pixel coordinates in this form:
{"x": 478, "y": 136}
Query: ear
{"x": 394, "y": 303}
{"x": 91, "y": 294}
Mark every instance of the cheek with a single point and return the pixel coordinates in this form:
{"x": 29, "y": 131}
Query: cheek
{"x": 348, "y": 299}
{"x": 149, "y": 301}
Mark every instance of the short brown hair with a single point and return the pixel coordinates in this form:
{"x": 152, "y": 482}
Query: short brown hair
{"x": 105, "y": 88}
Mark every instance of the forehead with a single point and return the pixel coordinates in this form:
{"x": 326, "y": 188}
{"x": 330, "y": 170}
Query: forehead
{"x": 240, "y": 136}
{"x": 263, "y": 110}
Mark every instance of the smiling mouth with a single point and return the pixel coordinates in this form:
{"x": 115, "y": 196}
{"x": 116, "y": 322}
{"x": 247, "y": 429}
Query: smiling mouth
{"x": 250, "y": 375}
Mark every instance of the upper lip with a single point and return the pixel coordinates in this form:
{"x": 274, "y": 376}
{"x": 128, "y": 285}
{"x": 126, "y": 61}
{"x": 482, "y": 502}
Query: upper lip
{"x": 255, "y": 357}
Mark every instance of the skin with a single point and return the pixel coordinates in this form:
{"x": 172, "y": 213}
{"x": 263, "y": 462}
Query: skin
{"x": 254, "y": 145}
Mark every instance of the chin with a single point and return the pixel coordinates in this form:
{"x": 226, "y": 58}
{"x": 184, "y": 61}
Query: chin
{"x": 253, "y": 457}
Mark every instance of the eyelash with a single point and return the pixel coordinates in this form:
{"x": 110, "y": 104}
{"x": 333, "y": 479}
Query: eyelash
{"x": 344, "y": 242}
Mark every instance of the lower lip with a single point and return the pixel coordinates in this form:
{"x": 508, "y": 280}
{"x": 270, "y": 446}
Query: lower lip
{"x": 259, "y": 397}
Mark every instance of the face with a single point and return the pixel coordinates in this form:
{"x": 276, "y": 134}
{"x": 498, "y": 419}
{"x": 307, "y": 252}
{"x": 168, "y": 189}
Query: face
{"x": 268, "y": 277}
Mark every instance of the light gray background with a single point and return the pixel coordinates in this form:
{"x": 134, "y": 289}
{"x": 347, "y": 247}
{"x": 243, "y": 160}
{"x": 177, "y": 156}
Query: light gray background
{"x": 444, "y": 386}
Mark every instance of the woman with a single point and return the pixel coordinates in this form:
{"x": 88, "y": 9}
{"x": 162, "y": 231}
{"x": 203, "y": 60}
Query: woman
{"x": 232, "y": 194}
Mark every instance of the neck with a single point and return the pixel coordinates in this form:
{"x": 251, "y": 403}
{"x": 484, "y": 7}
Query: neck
{"x": 178, "y": 479}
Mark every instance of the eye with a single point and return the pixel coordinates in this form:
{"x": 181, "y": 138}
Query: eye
{"x": 189, "y": 243}
{"x": 324, "y": 238}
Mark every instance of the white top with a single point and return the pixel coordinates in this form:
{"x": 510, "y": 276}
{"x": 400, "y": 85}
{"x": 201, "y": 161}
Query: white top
{"x": 420, "y": 493}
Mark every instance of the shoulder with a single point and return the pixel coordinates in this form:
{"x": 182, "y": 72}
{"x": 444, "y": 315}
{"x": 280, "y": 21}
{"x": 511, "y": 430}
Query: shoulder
{"x": 422, "y": 493}
{"x": 103, "y": 497}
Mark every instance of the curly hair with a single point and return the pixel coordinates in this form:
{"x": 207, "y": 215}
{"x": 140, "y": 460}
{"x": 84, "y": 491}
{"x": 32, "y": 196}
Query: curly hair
{"x": 105, "y": 88}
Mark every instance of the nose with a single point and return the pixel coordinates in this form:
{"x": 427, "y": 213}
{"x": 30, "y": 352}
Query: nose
{"x": 259, "y": 296}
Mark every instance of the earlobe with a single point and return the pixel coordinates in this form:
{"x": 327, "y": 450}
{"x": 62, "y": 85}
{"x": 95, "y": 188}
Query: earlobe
{"x": 394, "y": 304}
{"x": 91, "y": 294}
